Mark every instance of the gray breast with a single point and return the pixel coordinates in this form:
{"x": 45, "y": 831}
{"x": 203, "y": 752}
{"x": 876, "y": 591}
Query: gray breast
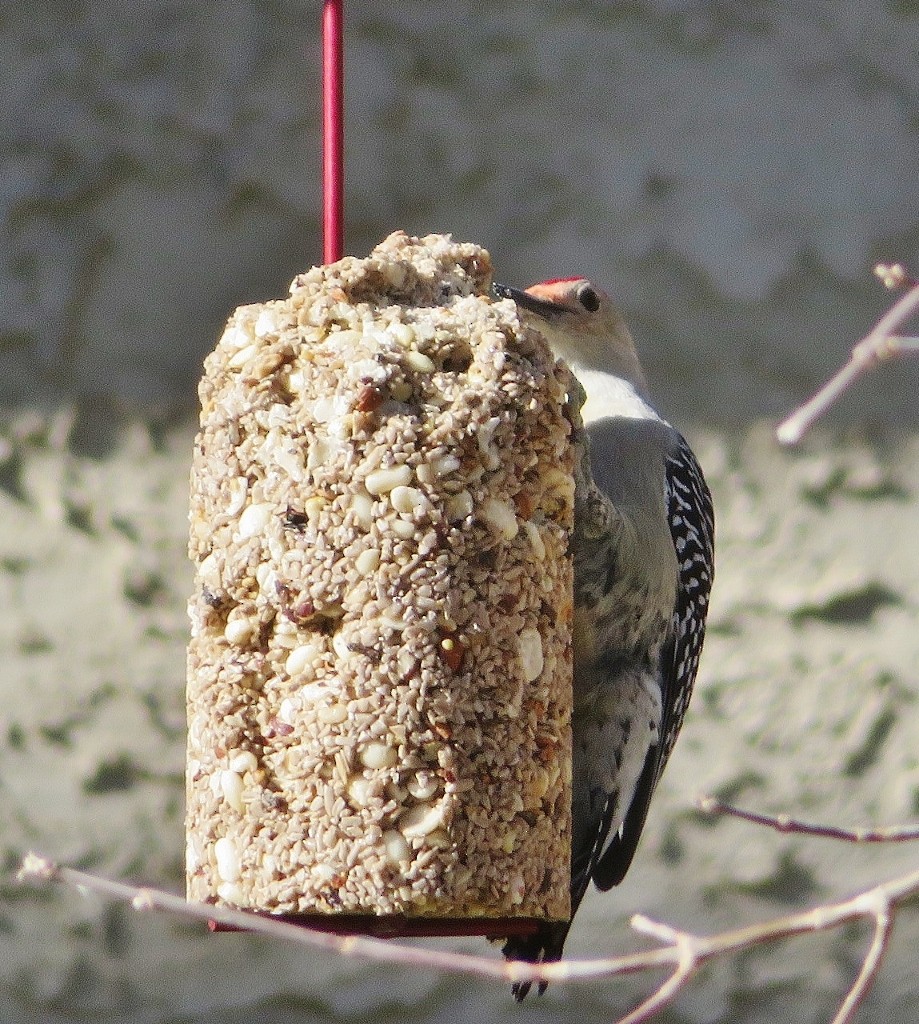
{"x": 625, "y": 566}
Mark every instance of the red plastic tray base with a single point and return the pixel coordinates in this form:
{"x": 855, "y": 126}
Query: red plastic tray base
{"x": 396, "y": 926}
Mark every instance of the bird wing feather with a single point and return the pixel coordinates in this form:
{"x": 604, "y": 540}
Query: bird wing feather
{"x": 692, "y": 524}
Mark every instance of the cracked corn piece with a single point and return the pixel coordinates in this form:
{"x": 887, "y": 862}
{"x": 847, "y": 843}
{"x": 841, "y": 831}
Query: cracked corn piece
{"x": 379, "y": 675}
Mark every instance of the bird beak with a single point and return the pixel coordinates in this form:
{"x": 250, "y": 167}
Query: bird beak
{"x": 541, "y": 307}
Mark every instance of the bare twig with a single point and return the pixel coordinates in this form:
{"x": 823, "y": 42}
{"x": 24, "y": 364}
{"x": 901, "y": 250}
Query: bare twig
{"x": 883, "y": 923}
{"x": 682, "y": 952}
{"x": 882, "y": 343}
{"x": 380, "y": 950}
{"x": 876, "y": 905}
{"x": 686, "y": 967}
{"x": 894, "y": 276}
{"x": 785, "y": 823}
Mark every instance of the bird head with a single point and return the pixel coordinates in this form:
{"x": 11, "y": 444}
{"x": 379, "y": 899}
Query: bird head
{"x": 581, "y": 324}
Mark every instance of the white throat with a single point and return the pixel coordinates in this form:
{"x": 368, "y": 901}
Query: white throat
{"x": 608, "y": 395}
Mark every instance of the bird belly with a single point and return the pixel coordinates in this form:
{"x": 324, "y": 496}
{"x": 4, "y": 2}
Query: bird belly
{"x": 625, "y": 620}
{"x": 614, "y": 725}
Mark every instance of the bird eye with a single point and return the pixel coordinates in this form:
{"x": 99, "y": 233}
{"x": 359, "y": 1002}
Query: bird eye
{"x": 588, "y": 298}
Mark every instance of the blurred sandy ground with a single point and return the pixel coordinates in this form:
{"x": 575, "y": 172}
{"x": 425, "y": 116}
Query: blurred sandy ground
{"x": 731, "y": 173}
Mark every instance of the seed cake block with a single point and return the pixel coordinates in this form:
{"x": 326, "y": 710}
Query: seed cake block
{"x": 379, "y": 674}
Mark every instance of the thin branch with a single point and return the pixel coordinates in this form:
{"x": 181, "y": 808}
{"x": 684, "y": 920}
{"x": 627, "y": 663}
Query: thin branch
{"x": 881, "y": 344}
{"x": 683, "y": 952}
{"x": 144, "y": 898}
{"x": 686, "y": 967}
{"x": 875, "y": 904}
{"x": 785, "y": 823}
{"x": 662, "y": 996}
{"x": 380, "y": 950}
{"x": 894, "y": 276}
{"x": 883, "y": 924}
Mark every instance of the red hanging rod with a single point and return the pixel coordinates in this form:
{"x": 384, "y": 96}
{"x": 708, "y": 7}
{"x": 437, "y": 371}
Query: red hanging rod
{"x": 333, "y": 164}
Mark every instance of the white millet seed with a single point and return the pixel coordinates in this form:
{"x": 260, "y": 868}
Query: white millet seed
{"x": 422, "y": 819}
{"x": 500, "y": 515}
{"x": 231, "y": 785}
{"x": 530, "y": 653}
{"x": 333, "y": 714}
{"x": 459, "y": 506}
{"x": 407, "y": 499}
{"x": 403, "y": 528}
{"x": 382, "y": 481}
{"x": 359, "y": 790}
{"x": 287, "y": 712}
{"x": 240, "y": 358}
{"x": 302, "y": 658}
{"x": 238, "y": 488}
{"x": 229, "y": 866}
{"x": 367, "y": 561}
{"x": 238, "y": 631}
{"x": 423, "y": 785}
{"x": 254, "y": 519}
{"x": 236, "y": 337}
{"x": 243, "y": 761}
{"x": 362, "y": 506}
{"x": 446, "y": 464}
{"x": 395, "y": 848}
{"x": 378, "y": 755}
{"x": 539, "y": 549}
{"x": 232, "y": 892}
{"x": 419, "y": 362}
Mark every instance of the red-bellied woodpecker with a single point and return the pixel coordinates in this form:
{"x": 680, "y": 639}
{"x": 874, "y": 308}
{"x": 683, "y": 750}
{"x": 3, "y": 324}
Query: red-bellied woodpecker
{"x": 643, "y": 567}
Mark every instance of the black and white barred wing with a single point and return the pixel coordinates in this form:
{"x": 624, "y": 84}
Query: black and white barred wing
{"x": 692, "y": 526}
